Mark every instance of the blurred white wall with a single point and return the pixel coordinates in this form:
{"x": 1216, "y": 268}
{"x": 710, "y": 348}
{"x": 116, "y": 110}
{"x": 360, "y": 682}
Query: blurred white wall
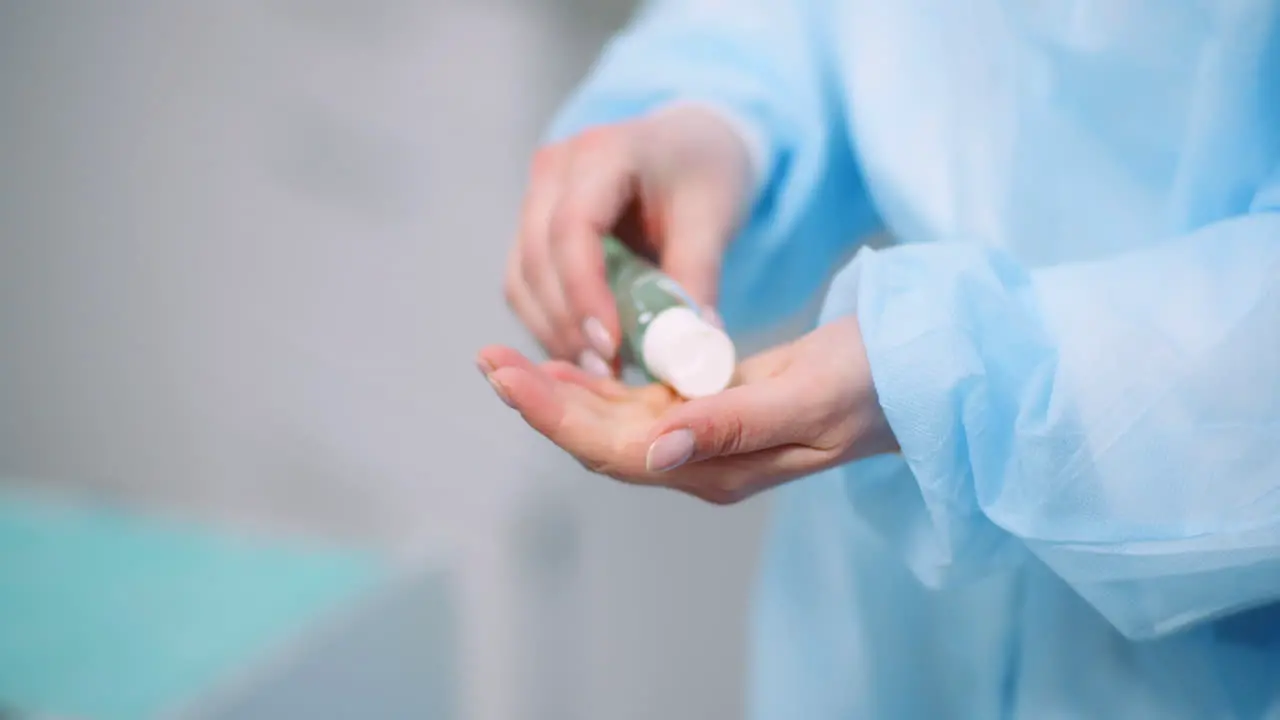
{"x": 247, "y": 253}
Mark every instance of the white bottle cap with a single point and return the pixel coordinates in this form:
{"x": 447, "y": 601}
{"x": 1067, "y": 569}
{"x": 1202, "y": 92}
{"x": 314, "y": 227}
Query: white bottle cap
{"x": 686, "y": 352}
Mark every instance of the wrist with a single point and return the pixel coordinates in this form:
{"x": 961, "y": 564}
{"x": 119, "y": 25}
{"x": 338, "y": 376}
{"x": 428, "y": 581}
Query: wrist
{"x": 876, "y": 436}
{"x": 869, "y": 430}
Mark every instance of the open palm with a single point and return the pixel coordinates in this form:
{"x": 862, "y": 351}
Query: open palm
{"x": 793, "y": 410}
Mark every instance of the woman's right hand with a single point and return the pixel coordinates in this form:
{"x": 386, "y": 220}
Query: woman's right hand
{"x": 673, "y": 185}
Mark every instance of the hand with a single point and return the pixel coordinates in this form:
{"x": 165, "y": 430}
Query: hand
{"x": 794, "y": 410}
{"x": 672, "y": 185}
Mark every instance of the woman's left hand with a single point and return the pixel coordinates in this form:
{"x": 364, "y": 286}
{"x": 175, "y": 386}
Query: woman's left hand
{"x": 794, "y": 410}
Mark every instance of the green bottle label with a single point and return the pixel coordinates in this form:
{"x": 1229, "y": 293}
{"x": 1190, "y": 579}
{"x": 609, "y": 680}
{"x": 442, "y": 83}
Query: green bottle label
{"x": 642, "y": 292}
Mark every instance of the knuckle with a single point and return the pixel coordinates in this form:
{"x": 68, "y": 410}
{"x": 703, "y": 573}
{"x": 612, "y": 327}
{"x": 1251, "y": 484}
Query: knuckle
{"x": 597, "y": 139}
{"x": 544, "y": 161}
{"x": 564, "y": 219}
{"x": 726, "y": 435}
{"x": 603, "y": 148}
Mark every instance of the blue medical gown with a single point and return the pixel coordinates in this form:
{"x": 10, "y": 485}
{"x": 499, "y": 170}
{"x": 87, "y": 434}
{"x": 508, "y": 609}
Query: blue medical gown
{"x": 1075, "y": 338}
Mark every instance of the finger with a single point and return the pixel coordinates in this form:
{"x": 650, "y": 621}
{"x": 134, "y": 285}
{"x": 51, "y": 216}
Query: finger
{"x": 603, "y": 386}
{"x": 723, "y": 481}
{"x": 572, "y": 417}
{"x": 599, "y": 187}
{"x": 766, "y": 364}
{"x": 568, "y": 414}
{"x": 540, "y": 277}
{"x": 568, "y": 378}
{"x": 534, "y": 269}
{"x": 740, "y": 420}
{"x": 701, "y": 219}
{"x": 521, "y": 301}
{"x": 538, "y": 396}
{"x": 496, "y": 357}
{"x": 534, "y": 395}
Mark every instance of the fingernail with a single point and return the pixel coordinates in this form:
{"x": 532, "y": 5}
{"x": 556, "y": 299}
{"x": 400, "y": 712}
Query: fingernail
{"x": 591, "y": 361}
{"x": 710, "y": 315}
{"x": 501, "y": 391}
{"x": 670, "y": 451}
{"x": 485, "y": 369}
{"x": 598, "y": 336}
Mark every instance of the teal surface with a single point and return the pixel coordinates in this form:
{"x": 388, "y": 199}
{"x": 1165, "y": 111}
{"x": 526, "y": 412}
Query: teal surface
{"x": 110, "y": 615}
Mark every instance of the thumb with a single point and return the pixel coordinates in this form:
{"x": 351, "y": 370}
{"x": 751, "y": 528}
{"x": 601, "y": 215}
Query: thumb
{"x": 701, "y": 219}
{"x": 740, "y": 420}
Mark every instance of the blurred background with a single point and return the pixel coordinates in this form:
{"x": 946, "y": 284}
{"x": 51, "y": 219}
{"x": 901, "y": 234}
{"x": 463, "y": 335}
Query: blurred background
{"x": 249, "y": 251}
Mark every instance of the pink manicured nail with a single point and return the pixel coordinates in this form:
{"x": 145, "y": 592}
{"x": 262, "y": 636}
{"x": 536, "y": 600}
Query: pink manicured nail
{"x": 591, "y": 362}
{"x": 599, "y": 338}
{"x": 670, "y": 451}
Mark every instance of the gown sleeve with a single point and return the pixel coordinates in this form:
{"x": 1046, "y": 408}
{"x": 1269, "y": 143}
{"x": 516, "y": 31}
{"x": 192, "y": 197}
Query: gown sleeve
{"x": 1119, "y": 420}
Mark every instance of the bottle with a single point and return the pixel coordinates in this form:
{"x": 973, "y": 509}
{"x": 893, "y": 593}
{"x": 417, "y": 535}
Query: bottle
{"x": 662, "y": 329}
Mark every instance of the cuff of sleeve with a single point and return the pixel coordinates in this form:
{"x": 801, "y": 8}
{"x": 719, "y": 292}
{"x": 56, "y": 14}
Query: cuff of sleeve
{"x": 929, "y": 374}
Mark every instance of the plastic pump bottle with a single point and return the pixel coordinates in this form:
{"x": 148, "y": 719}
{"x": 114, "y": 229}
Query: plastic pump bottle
{"x": 663, "y": 330}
